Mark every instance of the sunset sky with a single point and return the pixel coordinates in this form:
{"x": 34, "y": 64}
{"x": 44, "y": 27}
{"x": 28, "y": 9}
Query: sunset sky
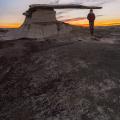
{"x": 11, "y": 12}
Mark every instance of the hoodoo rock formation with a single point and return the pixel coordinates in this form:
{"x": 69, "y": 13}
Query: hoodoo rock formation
{"x": 39, "y": 22}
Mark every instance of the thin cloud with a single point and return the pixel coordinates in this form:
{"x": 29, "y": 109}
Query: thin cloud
{"x": 78, "y": 18}
{"x": 75, "y": 19}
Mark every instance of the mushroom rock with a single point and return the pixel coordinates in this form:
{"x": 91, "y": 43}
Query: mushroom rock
{"x": 40, "y": 22}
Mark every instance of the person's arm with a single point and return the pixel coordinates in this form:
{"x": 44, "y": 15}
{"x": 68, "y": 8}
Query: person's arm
{"x": 88, "y": 17}
{"x": 94, "y": 17}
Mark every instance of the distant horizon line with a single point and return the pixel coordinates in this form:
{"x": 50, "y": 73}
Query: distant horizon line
{"x": 77, "y": 22}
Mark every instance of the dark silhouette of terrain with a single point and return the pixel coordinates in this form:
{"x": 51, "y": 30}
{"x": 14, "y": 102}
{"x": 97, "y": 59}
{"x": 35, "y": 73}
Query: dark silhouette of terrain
{"x": 54, "y": 80}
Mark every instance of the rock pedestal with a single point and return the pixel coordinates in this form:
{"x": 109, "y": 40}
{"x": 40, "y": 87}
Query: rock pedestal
{"x": 39, "y": 23}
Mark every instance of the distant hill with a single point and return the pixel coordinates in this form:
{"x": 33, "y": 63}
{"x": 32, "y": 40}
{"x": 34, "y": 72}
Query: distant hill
{"x": 4, "y": 30}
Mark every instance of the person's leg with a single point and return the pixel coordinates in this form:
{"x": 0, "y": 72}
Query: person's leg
{"x": 90, "y": 27}
{"x": 93, "y": 28}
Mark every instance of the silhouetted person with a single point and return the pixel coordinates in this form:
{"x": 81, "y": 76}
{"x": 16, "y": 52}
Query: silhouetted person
{"x": 91, "y": 18}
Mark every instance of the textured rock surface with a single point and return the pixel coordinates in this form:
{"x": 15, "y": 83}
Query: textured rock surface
{"x": 59, "y": 81}
{"x": 39, "y": 23}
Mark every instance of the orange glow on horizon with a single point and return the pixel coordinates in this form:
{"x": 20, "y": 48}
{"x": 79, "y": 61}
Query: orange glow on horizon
{"x": 13, "y": 25}
{"x": 85, "y": 23}
{"x": 76, "y": 22}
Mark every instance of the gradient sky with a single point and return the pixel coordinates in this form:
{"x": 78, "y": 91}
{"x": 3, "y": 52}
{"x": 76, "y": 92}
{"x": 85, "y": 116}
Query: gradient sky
{"x": 11, "y": 11}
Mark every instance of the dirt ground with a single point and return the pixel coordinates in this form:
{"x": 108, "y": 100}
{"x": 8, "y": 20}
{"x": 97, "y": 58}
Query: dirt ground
{"x": 53, "y": 80}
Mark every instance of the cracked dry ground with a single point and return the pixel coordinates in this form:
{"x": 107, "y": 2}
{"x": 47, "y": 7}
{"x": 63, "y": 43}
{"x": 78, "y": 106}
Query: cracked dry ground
{"x": 54, "y": 81}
